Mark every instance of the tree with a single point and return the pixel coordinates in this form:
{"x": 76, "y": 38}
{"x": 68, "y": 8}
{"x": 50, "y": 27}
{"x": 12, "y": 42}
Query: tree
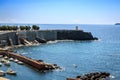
{"x": 22, "y": 27}
{"x": 35, "y": 27}
{"x": 28, "y": 27}
{"x": 0, "y": 27}
{"x": 14, "y": 27}
{"x": 4, "y": 27}
{"x": 10, "y": 28}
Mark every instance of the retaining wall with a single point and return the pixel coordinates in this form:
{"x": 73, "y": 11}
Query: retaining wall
{"x": 5, "y": 38}
{"x": 48, "y": 35}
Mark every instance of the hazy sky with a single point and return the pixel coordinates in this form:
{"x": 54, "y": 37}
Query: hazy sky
{"x": 60, "y": 11}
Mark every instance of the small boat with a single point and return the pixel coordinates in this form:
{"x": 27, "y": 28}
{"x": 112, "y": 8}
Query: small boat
{"x": 19, "y": 62}
{"x": 75, "y": 65}
{"x": 2, "y": 73}
{"x": 3, "y": 60}
{"x": 11, "y": 72}
{"x": 0, "y": 64}
{"x": 16, "y": 60}
{"x": 1, "y": 56}
{"x": 11, "y": 59}
{"x": 7, "y": 63}
{"x": 5, "y": 57}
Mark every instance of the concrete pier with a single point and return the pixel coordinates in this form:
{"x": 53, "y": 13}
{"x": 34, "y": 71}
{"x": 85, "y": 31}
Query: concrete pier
{"x": 39, "y": 65}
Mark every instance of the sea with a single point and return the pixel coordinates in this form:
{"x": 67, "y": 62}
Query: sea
{"x": 74, "y": 57}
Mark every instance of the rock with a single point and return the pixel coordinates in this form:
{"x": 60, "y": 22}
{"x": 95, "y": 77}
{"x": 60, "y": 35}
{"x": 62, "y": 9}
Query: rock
{"x": 41, "y": 40}
{"x": 39, "y": 60}
{"x": 78, "y": 77}
{"x": 93, "y": 76}
{"x": 70, "y": 79}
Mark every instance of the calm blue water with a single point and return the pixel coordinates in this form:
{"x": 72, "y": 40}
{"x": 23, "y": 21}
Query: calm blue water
{"x": 89, "y": 56}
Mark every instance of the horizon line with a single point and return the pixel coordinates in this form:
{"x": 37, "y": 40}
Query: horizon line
{"x": 60, "y": 23}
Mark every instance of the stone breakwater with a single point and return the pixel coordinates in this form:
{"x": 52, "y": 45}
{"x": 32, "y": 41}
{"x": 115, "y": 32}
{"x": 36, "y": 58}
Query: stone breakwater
{"x": 37, "y": 64}
{"x": 42, "y": 36}
{"x": 92, "y": 76}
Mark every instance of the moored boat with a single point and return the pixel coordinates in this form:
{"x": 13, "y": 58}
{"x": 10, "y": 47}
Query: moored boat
{"x": 0, "y": 64}
{"x": 3, "y": 60}
{"x": 1, "y": 56}
{"x": 11, "y": 59}
{"x": 19, "y": 62}
{"x": 16, "y": 60}
{"x": 11, "y": 72}
{"x": 5, "y": 57}
{"x": 7, "y": 63}
{"x": 2, "y": 73}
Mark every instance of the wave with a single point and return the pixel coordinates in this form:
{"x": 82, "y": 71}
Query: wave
{"x": 24, "y": 53}
{"x": 49, "y": 42}
{"x": 112, "y": 76}
{"x": 61, "y": 69}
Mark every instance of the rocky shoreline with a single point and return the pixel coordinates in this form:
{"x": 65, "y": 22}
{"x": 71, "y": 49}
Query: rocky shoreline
{"x": 92, "y": 76}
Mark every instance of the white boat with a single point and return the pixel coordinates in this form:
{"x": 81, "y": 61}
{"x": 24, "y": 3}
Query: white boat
{"x": 3, "y": 60}
{"x": 7, "y": 63}
{"x": 0, "y": 64}
{"x": 11, "y": 59}
{"x": 1, "y": 56}
{"x": 11, "y": 72}
{"x": 16, "y": 60}
{"x": 19, "y": 62}
{"x": 5, "y": 57}
{"x": 2, "y": 73}
{"x": 75, "y": 65}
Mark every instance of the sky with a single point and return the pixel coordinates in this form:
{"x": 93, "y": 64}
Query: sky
{"x": 60, "y": 11}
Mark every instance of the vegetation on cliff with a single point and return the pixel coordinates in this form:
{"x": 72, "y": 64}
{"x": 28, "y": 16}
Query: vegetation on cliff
{"x": 25, "y": 27}
{"x": 35, "y": 27}
{"x": 6, "y": 27}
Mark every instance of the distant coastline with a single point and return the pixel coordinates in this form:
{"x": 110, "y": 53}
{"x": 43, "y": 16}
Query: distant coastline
{"x": 117, "y": 23}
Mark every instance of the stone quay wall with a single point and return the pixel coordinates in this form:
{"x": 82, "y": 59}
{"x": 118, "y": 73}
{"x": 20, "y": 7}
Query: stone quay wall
{"x": 41, "y": 66}
{"x": 12, "y": 38}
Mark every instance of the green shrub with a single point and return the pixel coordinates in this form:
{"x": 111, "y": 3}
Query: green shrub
{"x": 35, "y": 27}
